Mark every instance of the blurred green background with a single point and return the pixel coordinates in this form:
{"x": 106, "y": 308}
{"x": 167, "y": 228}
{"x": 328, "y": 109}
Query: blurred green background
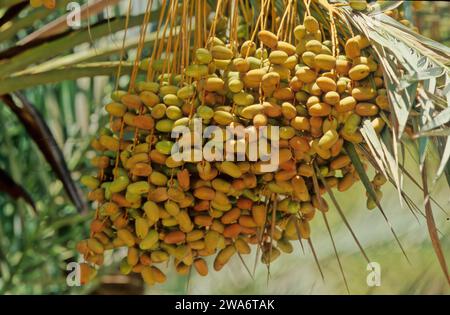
{"x": 36, "y": 247}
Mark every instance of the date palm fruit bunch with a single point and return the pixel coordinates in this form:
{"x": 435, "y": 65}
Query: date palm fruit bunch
{"x": 317, "y": 90}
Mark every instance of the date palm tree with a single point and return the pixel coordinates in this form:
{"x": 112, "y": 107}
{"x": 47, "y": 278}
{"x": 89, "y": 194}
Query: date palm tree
{"x": 48, "y": 105}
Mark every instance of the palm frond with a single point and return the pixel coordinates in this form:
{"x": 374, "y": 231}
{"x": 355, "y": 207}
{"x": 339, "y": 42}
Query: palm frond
{"x": 41, "y": 135}
{"x": 16, "y": 191}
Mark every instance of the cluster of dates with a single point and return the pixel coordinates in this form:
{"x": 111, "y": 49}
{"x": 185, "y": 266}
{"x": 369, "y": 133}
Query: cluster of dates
{"x": 181, "y": 211}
